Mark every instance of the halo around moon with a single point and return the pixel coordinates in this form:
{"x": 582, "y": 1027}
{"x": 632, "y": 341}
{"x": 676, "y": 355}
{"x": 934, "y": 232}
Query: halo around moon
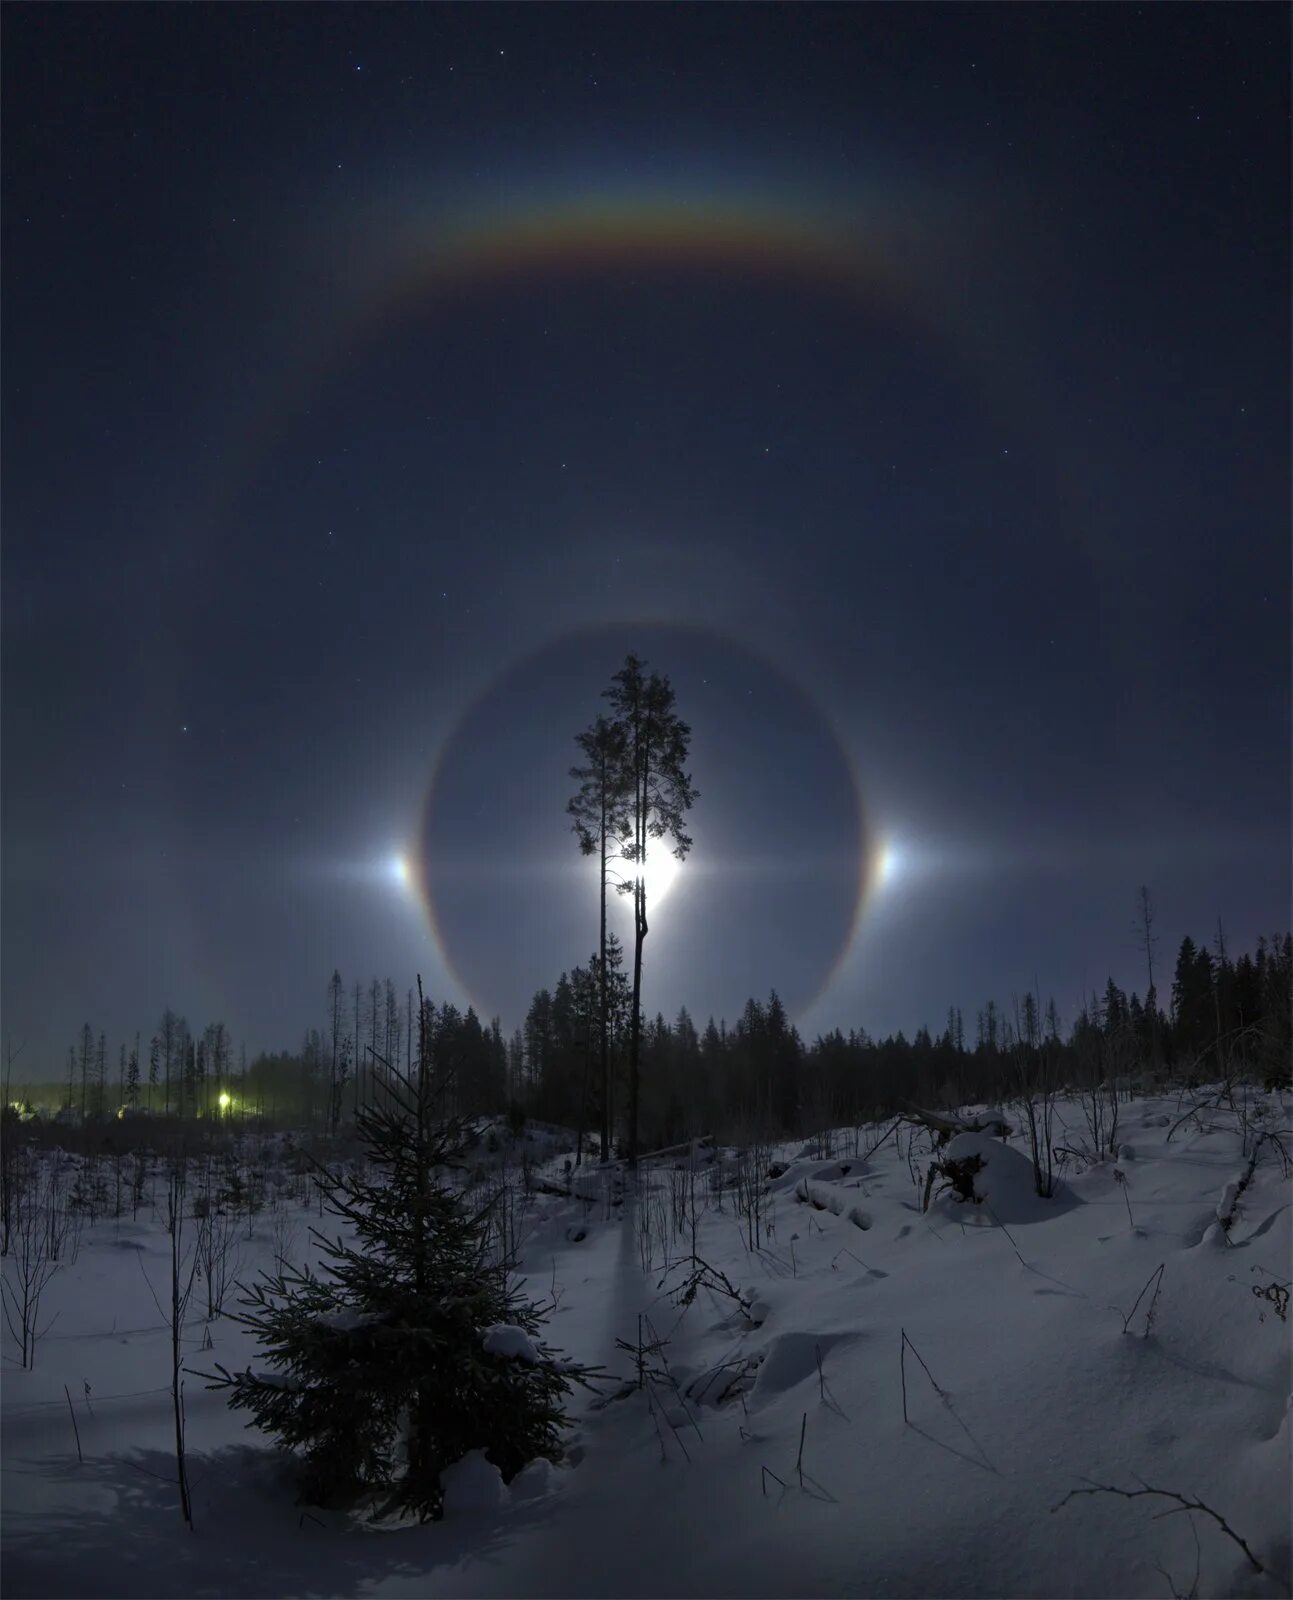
{"x": 770, "y": 894}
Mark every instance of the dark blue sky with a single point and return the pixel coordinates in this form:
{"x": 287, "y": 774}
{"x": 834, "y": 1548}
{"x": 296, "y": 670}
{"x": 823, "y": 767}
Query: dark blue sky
{"x": 911, "y": 384}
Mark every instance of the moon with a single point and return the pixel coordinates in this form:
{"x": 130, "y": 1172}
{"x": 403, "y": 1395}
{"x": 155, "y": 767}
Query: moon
{"x": 660, "y": 874}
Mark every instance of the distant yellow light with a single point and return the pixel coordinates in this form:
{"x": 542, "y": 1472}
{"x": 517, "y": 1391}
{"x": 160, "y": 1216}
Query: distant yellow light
{"x": 225, "y": 1102}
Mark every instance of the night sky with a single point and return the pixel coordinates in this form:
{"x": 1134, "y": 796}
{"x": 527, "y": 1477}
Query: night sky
{"x": 910, "y": 384}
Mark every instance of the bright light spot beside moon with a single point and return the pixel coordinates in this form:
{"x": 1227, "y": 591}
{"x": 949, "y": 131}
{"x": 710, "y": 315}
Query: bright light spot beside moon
{"x": 888, "y": 865}
{"x": 397, "y": 869}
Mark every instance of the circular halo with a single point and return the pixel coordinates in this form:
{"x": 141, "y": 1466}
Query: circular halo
{"x": 515, "y": 896}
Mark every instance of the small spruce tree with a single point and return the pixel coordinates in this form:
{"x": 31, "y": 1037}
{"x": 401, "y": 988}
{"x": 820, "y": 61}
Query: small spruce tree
{"x": 381, "y": 1370}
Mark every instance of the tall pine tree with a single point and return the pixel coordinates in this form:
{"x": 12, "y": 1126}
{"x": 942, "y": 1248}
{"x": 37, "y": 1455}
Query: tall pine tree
{"x": 656, "y": 745}
{"x": 599, "y": 818}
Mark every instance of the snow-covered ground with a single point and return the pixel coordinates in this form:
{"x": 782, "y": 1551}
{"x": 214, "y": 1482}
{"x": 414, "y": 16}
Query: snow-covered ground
{"x": 1008, "y": 1322}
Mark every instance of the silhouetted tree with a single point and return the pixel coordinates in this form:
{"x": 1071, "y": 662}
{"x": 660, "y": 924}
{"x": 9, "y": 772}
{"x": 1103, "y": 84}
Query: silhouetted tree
{"x": 85, "y": 1062}
{"x": 656, "y": 743}
{"x": 170, "y": 1033}
{"x": 599, "y": 812}
{"x": 336, "y": 1003}
{"x": 132, "y": 1076}
{"x": 1193, "y": 1010}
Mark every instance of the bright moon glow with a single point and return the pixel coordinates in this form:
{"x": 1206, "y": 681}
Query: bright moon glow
{"x": 225, "y": 1102}
{"x": 660, "y": 875}
{"x": 398, "y": 868}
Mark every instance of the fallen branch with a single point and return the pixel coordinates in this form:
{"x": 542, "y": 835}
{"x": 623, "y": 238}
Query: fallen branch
{"x": 1167, "y": 1494}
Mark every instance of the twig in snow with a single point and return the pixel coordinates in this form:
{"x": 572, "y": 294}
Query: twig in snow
{"x": 658, "y": 1345}
{"x": 799, "y": 1460}
{"x": 892, "y": 1129}
{"x": 1149, "y": 1314}
{"x": 76, "y": 1431}
{"x": 845, "y": 1251}
{"x": 1120, "y": 1178}
{"x": 1183, "y": 1503}
{"x": 902, "y": 1367}
{"x": 769, "y": 1473}
{"x": 1006, "y": 1231}
{"x": 1193, "y": 1591}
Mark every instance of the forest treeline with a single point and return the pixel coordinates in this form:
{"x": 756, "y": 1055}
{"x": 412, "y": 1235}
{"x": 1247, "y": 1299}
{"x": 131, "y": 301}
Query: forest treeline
{"x": 589, "y": 1054}
{"x": 1224, "y": 1014}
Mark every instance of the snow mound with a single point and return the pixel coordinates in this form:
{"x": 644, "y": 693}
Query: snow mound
{"x": 829, "y": 1197}
{"x": 1229, "y": 1198}
{"x": 502, "y": 1339}
{"x": 1003, "y": 1186}
{"x": 472, "y": 1485}
{"x": 791, "y": 1358}
{"x": 535, "y": 1479}
{"x": 837, "y": 1172}
{"x": 992, "y": 1119}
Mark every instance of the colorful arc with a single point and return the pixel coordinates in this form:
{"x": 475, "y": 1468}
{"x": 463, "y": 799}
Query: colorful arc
{"x": 753, "y": 240}
{"x": 579, "y": 236}
{"x": 418, "y": 268}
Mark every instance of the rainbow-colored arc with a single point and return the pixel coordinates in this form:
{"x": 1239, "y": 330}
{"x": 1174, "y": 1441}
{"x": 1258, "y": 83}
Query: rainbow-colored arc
{"x": 395, "y": 269}
{"x": 575, "y": 236}
{"x": 417, "y": 269}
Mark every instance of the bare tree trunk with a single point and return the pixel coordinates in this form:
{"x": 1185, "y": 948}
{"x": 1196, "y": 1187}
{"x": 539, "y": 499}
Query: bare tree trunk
{"x": 635, "y": 1023}
{"x": 179, "y": 1304}
{"x": 601, "y": 987}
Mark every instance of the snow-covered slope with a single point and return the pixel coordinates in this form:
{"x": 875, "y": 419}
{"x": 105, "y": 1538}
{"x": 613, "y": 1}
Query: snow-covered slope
{"x": 1027, "y": 1375}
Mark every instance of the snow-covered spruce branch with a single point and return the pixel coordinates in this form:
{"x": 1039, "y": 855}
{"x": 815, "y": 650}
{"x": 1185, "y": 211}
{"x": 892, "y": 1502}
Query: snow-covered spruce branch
{"x": 1184, "y": 1503}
